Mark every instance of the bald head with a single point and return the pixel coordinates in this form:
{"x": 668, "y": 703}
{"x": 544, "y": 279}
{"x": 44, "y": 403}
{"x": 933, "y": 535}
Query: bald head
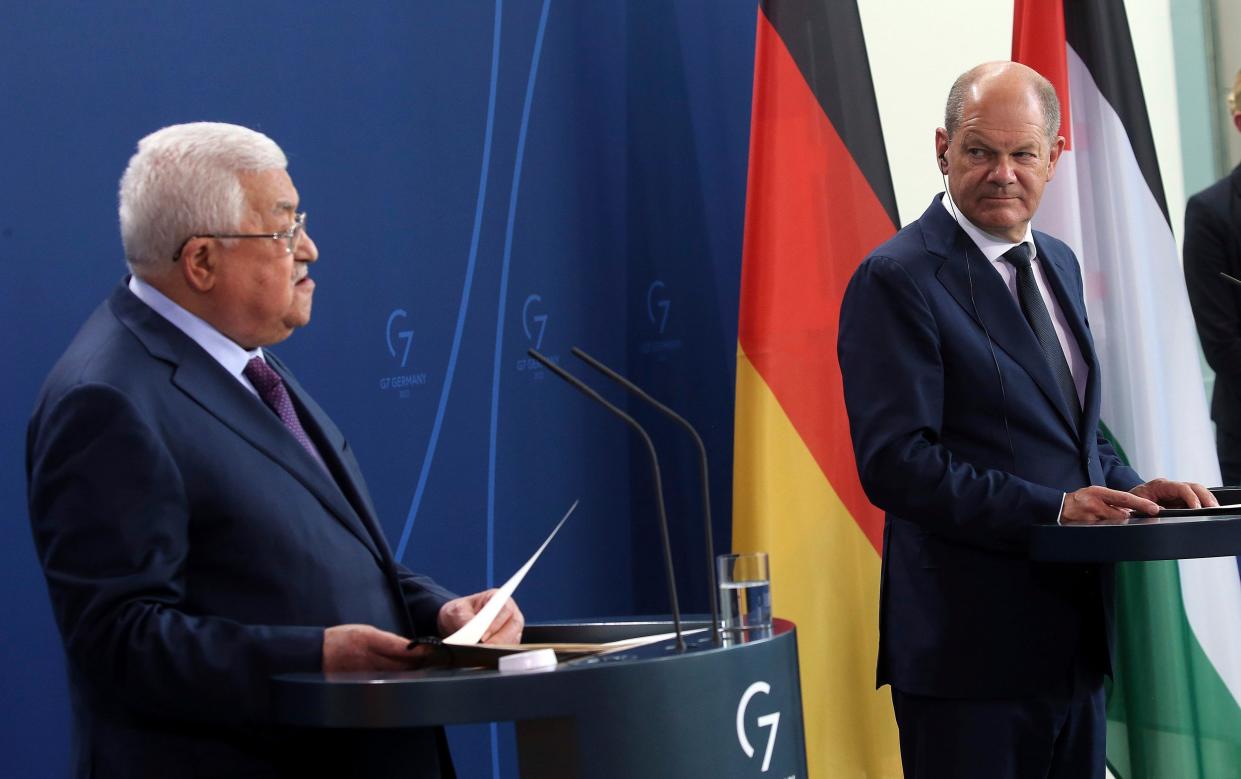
{"x": 1006, "y": 80}
{"x": 999, "y": 147}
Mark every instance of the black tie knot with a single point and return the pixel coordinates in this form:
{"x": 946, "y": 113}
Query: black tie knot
{"x": 1019, "y": 255}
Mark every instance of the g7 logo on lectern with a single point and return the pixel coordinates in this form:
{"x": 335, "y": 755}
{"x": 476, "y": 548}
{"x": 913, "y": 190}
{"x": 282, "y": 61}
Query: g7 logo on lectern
{"x": 771, "y": 721}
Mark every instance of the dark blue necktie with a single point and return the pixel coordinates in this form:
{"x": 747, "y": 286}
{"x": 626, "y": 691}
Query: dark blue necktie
{"x": 1040, "y": 322}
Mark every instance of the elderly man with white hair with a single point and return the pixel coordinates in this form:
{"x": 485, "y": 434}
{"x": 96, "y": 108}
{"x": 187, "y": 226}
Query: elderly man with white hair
{"x": 201, "y": 522}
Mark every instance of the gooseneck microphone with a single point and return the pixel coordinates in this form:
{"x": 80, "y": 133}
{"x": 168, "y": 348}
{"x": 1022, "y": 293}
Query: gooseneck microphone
{"x": 659, "y": 483}
{"x": 702, "y": 465}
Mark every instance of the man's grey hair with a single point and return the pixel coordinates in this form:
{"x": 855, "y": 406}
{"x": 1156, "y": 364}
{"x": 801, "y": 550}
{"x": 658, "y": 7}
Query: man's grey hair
{"x": 182, "y": 181}
{"x": 955, "y": 109}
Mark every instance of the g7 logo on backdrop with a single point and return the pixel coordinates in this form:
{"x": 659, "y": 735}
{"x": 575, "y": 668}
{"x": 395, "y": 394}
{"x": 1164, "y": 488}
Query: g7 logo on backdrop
{"x": 771, "y": 720}
{"x": 399, "y": 340}
{"x": 658, "y": 309}
{"x": 401, "y": 335}
{"x": 660, "y": 302}
{"x": 531, "y": 321}
{"x": 534, "y": 324}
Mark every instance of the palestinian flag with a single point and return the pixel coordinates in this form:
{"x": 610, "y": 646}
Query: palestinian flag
{"x": 819, "y": 198}
{"x": 1173, "y": 709}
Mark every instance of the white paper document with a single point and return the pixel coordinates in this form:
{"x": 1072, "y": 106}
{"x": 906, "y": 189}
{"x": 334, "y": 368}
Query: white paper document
{"x": 472, "y": 631}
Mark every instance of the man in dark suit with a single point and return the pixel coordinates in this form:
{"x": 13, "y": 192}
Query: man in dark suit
{"x": 201, "y": 522}
{"x": 972, "y": 388}
{"x": 1213, "y": 246}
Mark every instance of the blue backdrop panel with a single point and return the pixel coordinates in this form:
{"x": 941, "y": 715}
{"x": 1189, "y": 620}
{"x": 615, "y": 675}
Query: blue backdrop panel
{"x": 481, "y": 178}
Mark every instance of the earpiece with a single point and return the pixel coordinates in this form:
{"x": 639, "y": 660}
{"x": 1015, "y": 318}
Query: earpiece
{"x": 999, "y": 374}
{"x": 943, "y": 163}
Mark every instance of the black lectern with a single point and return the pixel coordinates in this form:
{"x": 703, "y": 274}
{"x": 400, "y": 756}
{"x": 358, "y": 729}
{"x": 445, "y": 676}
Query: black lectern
{"x": 731, "y": 711}
{"x": 1150, "y": 538}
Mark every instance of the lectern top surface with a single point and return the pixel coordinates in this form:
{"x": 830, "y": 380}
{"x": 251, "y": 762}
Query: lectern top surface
{"x": 1166, "y": 517}
{"x": 1174, "y": 535}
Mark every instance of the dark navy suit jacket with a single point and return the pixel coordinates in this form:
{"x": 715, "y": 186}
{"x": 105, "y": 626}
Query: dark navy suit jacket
{"x": 1212, "y": 245}
{"x": 963, "y": 439}
{"x": 193, "y": 548}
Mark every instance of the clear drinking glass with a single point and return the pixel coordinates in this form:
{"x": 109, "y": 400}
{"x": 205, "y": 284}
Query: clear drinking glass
{"x": 745, "y": 596}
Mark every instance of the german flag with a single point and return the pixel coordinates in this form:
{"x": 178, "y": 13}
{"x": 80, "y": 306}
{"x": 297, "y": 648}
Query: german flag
{"x": 819, "y": 198}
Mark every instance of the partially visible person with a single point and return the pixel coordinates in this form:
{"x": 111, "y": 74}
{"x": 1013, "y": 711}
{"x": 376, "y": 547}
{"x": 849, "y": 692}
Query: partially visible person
{"x": 201, "y": 522}
{"x": 1213, "y": 246}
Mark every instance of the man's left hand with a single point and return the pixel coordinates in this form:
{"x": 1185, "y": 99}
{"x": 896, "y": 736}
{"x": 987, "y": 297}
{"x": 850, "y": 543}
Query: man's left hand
{"x": 504, "y": 629}
{"x": 1176, "y": 494}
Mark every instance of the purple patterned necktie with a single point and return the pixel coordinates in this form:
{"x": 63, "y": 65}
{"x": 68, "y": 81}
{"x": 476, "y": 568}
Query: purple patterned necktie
{"x": 273, "y": 392}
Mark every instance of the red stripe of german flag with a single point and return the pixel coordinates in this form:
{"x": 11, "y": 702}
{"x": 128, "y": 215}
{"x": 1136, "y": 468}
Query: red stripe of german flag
{"x": 812, "y": 214}
{"x": 819, "y": 199}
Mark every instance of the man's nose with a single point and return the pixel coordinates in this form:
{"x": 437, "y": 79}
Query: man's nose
{"x": 1001, "y": 172}
{"x": 306, "y": 250}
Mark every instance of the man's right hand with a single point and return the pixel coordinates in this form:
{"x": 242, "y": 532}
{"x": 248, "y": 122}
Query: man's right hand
{"x": 367, "y": 648}
{"x": 1100, "y": 504}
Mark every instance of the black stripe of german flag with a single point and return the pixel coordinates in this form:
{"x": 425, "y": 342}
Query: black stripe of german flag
{"x": 825, "y": 39}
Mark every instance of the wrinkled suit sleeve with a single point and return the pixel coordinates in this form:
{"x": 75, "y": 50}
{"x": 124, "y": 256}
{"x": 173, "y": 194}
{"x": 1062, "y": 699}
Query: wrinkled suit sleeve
{"x": 891, "y": 362}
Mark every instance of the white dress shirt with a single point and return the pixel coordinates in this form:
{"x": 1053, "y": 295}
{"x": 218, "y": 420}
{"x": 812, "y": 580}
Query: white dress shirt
{"x": 222, "y": 349}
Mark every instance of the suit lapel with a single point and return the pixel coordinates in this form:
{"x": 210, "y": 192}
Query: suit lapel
{"x": 991, "y": 304}
{"x": 331, "y": 444}
{"x": 204, "y": 380}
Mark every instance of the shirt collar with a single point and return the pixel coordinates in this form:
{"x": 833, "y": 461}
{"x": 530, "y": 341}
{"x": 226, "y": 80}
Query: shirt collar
{"x": 223, "y": 349}
{"x": 992, "y": 248}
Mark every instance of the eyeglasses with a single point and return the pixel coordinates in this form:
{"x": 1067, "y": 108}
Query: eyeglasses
{"x": 290, "y": 236}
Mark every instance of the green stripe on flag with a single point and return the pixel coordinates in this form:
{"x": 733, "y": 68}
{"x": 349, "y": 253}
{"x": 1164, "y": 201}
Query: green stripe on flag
{"x": 1111, "y": 439}
{"x": 1169, "y": 711}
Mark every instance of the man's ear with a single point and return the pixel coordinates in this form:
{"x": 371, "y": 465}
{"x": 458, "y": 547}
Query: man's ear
{"x": 1053, "y": 156}
{"x": 941, "y": 148}
{"x": 1236, "y": 120}
{"x": 199, "y": 264}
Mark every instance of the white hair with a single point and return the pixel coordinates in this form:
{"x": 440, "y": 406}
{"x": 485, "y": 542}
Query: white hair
{"x": 182, "y": 181}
